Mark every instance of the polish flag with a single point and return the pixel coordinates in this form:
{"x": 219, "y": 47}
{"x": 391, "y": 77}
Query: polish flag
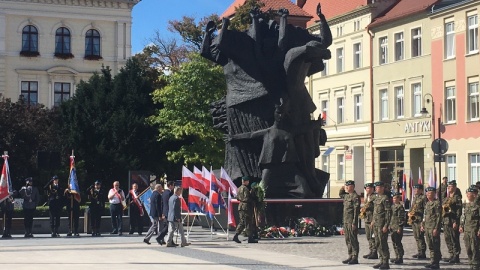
{"x": 190, "y": 180}
{"x": 231, "y": 218}
{"x": 227, "y": 181}
{"x": 420, "y": 176}
{"x": 5, "y": 180}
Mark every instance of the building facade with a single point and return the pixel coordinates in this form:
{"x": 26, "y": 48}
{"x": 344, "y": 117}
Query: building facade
{"x": 48, "y": 47}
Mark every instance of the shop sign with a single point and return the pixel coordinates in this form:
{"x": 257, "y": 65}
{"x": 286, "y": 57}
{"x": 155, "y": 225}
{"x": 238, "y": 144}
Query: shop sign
{"x": 418, "y": 126}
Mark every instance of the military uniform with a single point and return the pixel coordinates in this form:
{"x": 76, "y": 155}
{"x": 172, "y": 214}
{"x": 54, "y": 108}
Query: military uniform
{"x": 96, "y": 208}
{"x": 396, "y": 227}
{"x": 452, "y": 235}
{"x": 432, "y": 221}
{"x": 368, "y": 217}
{"x": 6, "y": 207}
{"x": 73, "y": 209}
{"x": 55, "y": 204}
{"x": 245, "y": 212}
{"x": 351, "y": 211}
{"x": 470, "y": 224}
{"x": 382, "y": 213}
{"x": 418, "y": 206}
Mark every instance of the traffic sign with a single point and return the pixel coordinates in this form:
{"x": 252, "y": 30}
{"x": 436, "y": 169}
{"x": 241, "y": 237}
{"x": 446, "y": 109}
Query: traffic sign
{"x": 439, "y": 158}
{"x": 439, "y": 146}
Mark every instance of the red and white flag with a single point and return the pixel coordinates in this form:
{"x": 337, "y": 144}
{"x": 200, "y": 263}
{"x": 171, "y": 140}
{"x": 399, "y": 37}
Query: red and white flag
{"x": 227, "y": 182}
{"x": 197, "y": 172}
{"x": 216, "y": 184}
{"x": 190, "y": 180}
{"x": 5, "y": 180}
{"x": 420, "y": 176}
{"x": 231, "y": 218}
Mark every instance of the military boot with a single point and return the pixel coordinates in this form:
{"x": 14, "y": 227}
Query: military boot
{"x": 422, "y": 256}
{"x": 354, "y": 260}
{"x": 373, "y": 256}
{"x": 235, "y": 239}
{"x": 347, "y": 260}
{"x": 252, "y": 240}
{"x": 398, "y": 260}
{"x": 376, "y": 266}
{"x": 393, "y": 260}
{"x": 455, "y": 259}
{"x": 449, "y": 259}
{"x": 367, "y": 255}
{"x": 434, "y": 266}
{"x": 384, "y": 265}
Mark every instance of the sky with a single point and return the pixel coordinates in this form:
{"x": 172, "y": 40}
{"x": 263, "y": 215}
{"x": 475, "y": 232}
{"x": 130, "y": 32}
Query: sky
{"x": 151, "y": 15}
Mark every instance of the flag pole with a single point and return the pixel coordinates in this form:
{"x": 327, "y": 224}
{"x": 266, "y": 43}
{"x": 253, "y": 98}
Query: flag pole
{"x": 71, "y": 200}
{"x": 5, "y": 153}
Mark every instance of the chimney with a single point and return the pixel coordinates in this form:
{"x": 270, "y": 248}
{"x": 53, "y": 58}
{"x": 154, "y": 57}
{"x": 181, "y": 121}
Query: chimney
{"x": 300, "y": 3}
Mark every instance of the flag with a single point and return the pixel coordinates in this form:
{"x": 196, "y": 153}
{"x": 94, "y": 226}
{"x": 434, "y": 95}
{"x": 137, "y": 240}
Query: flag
{"x": 215, "y": 183}
{"x": 404, "y": 187}
{"x": 190, "y": 180}
{"x": 184, "y": 205}
{"x": 72, "y": 180}
{"x": 206, "y": 178}
{"x": 231, "y": 218}
{"x": 197, "y": 172}
{"x": 227, "y": 182}
{"x": 411, "y": 185}
{"x": 217, "y": 200}
{"x": 420, "y": 176}
{"x": 145, "y": 199}
{"x": 196, "y": 201}
{"x": 431, "y": 179}
{"x": 5, "y": 180}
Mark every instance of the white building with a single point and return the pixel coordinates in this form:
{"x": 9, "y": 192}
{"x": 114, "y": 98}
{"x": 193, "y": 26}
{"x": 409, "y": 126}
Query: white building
{"x": 48, "y": 46}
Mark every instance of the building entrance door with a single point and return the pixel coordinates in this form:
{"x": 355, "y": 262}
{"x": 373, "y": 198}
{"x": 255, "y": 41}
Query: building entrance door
{"x": 391, "y": 166}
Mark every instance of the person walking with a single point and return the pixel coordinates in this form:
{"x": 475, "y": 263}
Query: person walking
{"x": 55, "y": 203}
{"x": 367, "y": 214}
{"x": 136, "y": 210}
{"x": 155, "y": 213}
{"x": 175, "y": 219}
{"x": 396, "y": 227}
{"x": 452, "y": 211}
{"x": 382, "y": 214}
{"x": 431, "y": 226}
{"x": 351, "y": 211}
{"x": 97, "y": 206}
{"x": 469, "y": 226}
{"x": 116, "y": 197}
{"x": 245, "y": 212}
{"x": 163, "y": 224}
{"x": 415, "y": 217}
{"x": 31, "y": 198}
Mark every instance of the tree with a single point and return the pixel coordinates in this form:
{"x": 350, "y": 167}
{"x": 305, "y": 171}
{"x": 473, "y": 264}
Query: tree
{"x": 185, "y": 114}
{"x": 190, "y": 31}
{"x": 242, "y": 20}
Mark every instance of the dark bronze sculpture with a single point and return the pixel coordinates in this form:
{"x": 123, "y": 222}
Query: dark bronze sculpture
{"x": 262, "y": 66}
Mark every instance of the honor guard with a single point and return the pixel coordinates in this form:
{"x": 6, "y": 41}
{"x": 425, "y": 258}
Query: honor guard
{"x": 431, "y": 226}
{"x": 415, "y": 217}
{"x": 452, "y": 212}
{"x": 6, "y": 207}
{"x": 382, "y": 214}
{"x": 97, "y": 206}
{"x": 72, "y": 200}
{"x": 366, "y": 213}
{"x": 31, "y": 198}
{"x": 469, "y": 225}
{"x": 396, "y": 227}
{"x": 55, "y": 203}
{"x": 351, "y": 212}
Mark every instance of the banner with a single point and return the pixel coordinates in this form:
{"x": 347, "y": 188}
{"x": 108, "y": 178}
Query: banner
{"x": 5, "y": 180}
{"x": 227, "y": 182}
{"x": 72, "y": 180}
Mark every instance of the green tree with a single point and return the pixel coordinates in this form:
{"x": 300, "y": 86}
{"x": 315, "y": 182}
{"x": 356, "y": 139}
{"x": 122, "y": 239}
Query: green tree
{"x": 185, "y": 114}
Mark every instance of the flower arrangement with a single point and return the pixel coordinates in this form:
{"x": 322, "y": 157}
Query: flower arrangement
{"x": 306, "y": 226}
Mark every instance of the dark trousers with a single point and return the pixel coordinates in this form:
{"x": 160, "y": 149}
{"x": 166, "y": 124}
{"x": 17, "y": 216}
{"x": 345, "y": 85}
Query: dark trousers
{"x": 116, "y": 212}
{"x": 73, "y": 213}
{"x": 28, "y": 220}
{"x": 7, "y": 216}
{"x": 136, "y": 221}
{"x": 95, "y": 218}
{"x": 54, "y": 209}
{"x": 163, "y": 229}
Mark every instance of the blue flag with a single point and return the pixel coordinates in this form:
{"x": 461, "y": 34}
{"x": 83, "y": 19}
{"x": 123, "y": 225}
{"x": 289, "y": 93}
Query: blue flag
{"x": 145, "y": 199}
{"x": 72, "y": 181}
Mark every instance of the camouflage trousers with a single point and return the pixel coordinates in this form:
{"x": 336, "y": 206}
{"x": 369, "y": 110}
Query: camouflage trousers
{"x": 452, "y": 239}
{"x": 381, "y": 242}
{"x": 351, "y": 239}
{"x": 245, "y": 222}
{"x": 397, "y": 244}
{"x": 419, "y": 237}
{"x": 433, "y": 243}
{"x": 370, "y": 238}
{"x": 472, "y": 245}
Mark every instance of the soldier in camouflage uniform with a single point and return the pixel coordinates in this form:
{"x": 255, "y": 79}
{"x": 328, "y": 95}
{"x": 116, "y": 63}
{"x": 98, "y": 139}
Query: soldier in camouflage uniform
{"x": 245, "y": 211}
{"x": 396, "y": 227}
{"x": 431, "y": 226}
{"x": 351, "y": 210}
{"x": 451, "y": 222}
{"x": 469, "y": 225}
{"x": 368, "y": 216}
{"x": 444, "y": 187}
{"x": 417, "y": 208}
{"x": 382, "y": 214}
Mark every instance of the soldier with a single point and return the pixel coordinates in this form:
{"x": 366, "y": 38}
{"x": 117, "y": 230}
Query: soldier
{"x": 415, "y": 219}
{"x": 470, "y": 226}
{"x": 452, "y": 212}
{"x": 382, "y": 214}
{"x": 72, "y": 200}
{"x": 7, "y": 207}
{"x": 444, "y": 187}
{"x": 245, "y": 211}
{"x": 97, "y": 206}
{"x": 431, "y": 226}
{"x": 55, "y": 203}
{"x": 396, "y": 227}
{"x": 31, "y": 198}
{"x": 367, "y": 213}
{"x": 351, "y": 211}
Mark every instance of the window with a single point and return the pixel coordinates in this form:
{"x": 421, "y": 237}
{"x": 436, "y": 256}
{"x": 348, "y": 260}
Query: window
{"x": 340, "y": 110}
{"x": 29, "y": 41}
{"x": 324, "y": 109}
{"x": 474, "y": 168}
{"x": 399, "y": 46}
{"x": 358, "y": 107}
{"x": 473, "y": 102}
{"x": 416, "y": 42}
{"x": 325, "y": 69}
{"x": 357, "y": 55}
{"x": 472, "y": 35}
{"x": 61, "y": 93}
{"x": 62, "y": 41}
{"x": 92, "y": 44}
{"x": 449, "y": 40}
{"x": 29, "y": 92}
{"x": 340, "y": 167}
{"x": 451, "y": 167}
{"x": 356, "y": 25}
{"x": 383, "y": 50}
{"x": 416, "y": 99}
{"x": 325, "y": 164}
{"x": 450, "y": 104}
{"x": 339, "y": 60}
{"x": 399, "y": 104}
{"x": 339, "y": 31}
{"x": 383, "y": 104}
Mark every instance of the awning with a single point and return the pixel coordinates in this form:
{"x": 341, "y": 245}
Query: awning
{"x": 328, "y": 151}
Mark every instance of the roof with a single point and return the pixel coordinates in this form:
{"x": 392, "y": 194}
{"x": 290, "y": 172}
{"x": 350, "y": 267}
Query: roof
{"x": 332, "y": 8}
{"x": 293, "y": 9}
{"x": 403, "y": 9}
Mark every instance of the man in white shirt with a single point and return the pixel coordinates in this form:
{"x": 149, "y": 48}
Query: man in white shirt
{"x": 116, "y": 197}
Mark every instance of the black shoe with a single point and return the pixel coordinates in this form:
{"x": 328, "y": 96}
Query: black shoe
{"x": 416, "y": 256}
{"x": 235, "y": 239}
{"x": 422, "y": 256}
{"x": 434, "y": 266}
{"x": 376, "y": 266}
{"x": 30, "y": 235}
{"x": 26, "y": 235}
{"x": 455, "y": 259}
{"x": 120, "y": 234}
{"x": 347, "y": 260}
{"x": 170, "y": 245}
{"x": 69, "y": 234}
{"x": 140, "y": 233}
{"x": 393, "y": 260}
{"x": 114, "y": 232}
{"x": 354, "y": 260}
{"x": 77, "y": 235}
{"x": 162, "y": 242}
{"x": 428, "y": 265}
{"x": 384, "y": 266}
{"x": 373, "y": 256}
{"x": 175, "y": 244}
{"x": 159, "y": 241}
{"x": 367, "y": 255}
{"x": 448, "y": 259}
{"x": 252, "y": 241}
{"x": 131, "y": 232}
{"x": 398, "y": 261}
{"x": 146, "y": 241}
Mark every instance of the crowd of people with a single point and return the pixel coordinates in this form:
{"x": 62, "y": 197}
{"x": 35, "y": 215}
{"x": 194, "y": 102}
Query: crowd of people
{"x": 428, "y": 215}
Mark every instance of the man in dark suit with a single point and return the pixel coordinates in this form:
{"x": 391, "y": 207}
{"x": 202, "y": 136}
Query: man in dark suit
{"x": 155, "y": 213}
{"x": 163, "y": 226}
{"x": 175, "y": 218}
